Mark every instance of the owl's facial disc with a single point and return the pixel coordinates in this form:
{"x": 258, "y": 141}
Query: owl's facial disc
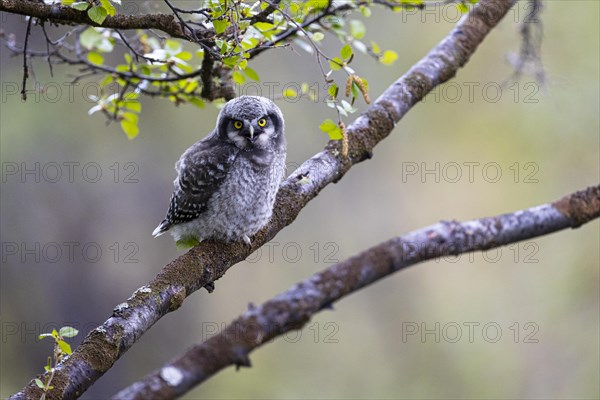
{"x": 246, "y": 133}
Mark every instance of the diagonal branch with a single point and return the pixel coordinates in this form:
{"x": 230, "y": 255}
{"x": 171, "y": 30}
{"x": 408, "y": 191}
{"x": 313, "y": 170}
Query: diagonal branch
{"x": 210, "y": 260}
{"x": 293, "y": 308}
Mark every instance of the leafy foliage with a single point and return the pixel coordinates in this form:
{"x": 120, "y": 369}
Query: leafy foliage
{"x": 62, "y": 349}
{"x": 214, "y": 50}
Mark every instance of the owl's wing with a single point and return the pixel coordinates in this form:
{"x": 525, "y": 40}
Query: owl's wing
{"x": 202, "y": 169}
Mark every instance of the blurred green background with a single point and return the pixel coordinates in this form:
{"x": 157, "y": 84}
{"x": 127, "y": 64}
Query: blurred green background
{"x": 533, "y": 306}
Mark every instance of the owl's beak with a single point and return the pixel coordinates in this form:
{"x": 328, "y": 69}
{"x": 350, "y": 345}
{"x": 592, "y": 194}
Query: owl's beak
{"x": 249, "y": 132}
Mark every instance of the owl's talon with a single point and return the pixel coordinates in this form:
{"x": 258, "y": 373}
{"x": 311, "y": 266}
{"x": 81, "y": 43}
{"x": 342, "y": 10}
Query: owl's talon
{"x": 210, "y": 287}
{"x": 247, "y": 240}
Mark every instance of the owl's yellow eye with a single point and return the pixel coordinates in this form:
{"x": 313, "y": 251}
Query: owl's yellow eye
{"x": 262, "y": 122}
{"x": 238, "y": 124}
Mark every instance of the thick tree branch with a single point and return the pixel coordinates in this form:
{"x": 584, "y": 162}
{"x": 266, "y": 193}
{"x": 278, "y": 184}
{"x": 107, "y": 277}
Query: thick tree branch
{"x": 210, "y": 260}
{"x": 293, "y": 308}
{"x": 167, "y": 23}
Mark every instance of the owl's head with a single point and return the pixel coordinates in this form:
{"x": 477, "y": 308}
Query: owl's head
{"x": 252, "y": 122}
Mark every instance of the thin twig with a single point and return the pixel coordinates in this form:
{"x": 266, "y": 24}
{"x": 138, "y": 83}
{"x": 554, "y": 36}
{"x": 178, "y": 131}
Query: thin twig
{"x": 48, "y": 43}
{"x": 137, "y": 54}
{"x": 25, "y": 67}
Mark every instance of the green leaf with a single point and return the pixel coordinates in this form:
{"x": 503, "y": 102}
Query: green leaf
{"x": 89, "y": 38}
{"x": 366, "y": 11}
{"x": 131, "y": 96}
{"x": 130, "y": 128}
{"x": 184, "y": 55}
{"x": 462, "y": 7}
{"x": 54, "y": 333}
{"x": 336, "y": 64}
{"x": 333, "y": 90}
{"x": 133, "y": 105}
{"x": 65, "y": 347}
{"x": 355, "y": 90}
{"x": 328, "y": 125}
{"x": 250, "y": 73}
{"x": 80, "y": 5}
{"x": 231, "y": 61}
{"x": 318, "y": 36}
{"x": 332, "y": 129}
{"x": 388, "y": 57}
{"x": 346, "y": 52}
{"x": 295, "y": 10}
{"x": 110, "y": 9}
{"x": 173, "y": 46}
{"x": 220, "y": 25}
{"x": 130, "y": 117}
{"x": 95, "y": 58}
{"x": 316, "y": 5}
{"x": 249, "y": 43}
{"x": 290, "y": 94}
{"x": 97, "y": 14}
{"x": 68, "y": 331}
{"x": 238, "y": 77}
{"x": 184, "y": 244}
{"x": 335, "y": 134}
{"x": 197, "y": 102}
{"x": 264, "y": 26}
{"x": 357, "y": 29}
{"x": 39, "y": 383}
{"x": 190, "y": 85}
{"x": 375, "y": 48}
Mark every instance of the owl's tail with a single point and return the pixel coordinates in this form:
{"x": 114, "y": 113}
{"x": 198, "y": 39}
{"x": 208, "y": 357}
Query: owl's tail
{"x": 161, "y": 228}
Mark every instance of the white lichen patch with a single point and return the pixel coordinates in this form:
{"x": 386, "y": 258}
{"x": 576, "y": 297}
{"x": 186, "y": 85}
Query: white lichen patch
{"x": 144, "y": 289}
{"x": 121, "y": 307}
{"x": 171, "y": 375}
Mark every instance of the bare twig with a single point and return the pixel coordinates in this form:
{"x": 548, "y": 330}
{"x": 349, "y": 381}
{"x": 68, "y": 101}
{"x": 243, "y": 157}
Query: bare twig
{"x": 25, "y": 66}
{"x": 48, "y": 43}
{"x": 136, "y": 53}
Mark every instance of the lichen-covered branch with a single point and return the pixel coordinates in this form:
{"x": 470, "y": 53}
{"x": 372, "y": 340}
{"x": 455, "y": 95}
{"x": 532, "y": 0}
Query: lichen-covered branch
{"x": 166, "y": 23}
{"x": 293, "y": 308}
{"x": 210, "y": 260}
